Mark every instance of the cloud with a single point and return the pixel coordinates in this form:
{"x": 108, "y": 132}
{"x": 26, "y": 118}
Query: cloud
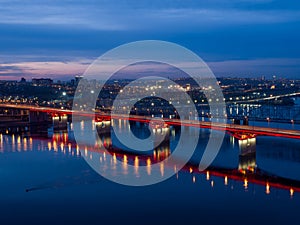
{"x": 5, "y": 68}
{"x": 228, "y": 16}
{"x": 282, "y": 67}
{"x": 54, "y": 69}
{"x": 52, "y": 37}
{"x": 131, "y": 15}
{"x": 60, "y": 14}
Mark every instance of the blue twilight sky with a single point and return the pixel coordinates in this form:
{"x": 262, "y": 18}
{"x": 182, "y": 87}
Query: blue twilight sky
{"x": 59, "y": 38}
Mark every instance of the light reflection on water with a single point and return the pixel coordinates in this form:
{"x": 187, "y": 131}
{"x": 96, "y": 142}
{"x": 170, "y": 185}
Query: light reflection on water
{"x": 252, "y": 171}
{"x": 237, "y": 158}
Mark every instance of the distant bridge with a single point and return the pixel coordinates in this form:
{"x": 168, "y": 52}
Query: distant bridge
{"x": 267, "y": 98}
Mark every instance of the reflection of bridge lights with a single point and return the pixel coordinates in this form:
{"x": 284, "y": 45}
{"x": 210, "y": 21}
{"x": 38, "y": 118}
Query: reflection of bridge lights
{"x": 191, "y": 170}
{"x": 194, "y": 179}
{"x": 245, "y": 184}
{"x": 25, "y": 144}
{"x": 291, "y": 192}
{"x": 125, "y": 164}
{"x": 13, "y": 139}
{"x": 268, "y": 189}
{"x": 175, "y": 169}
{"x": 162, "y": 169}
{"x": 19, "y": 140}
{"x": 55, "y": 146}
{"x": 212, "y": 183}
{"x": 136, "y": 165}
{"x": 82, "y": 125}
{"x": 207, "y": 175}
{"x": 226, "y": 180}
{"x": 232, "y": 140}
{"x": 19, "y": 144}
{"x": 114, "y": 159}
{"x": 149, "y": 166}
{"x": 125, "y": 160}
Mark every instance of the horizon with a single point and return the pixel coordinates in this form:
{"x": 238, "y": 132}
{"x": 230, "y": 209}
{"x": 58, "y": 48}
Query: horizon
{"x": 69, "y": 78}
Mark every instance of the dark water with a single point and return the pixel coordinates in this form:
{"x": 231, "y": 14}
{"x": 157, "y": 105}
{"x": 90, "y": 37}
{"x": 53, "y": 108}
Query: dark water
{"x": 45, "y": 180}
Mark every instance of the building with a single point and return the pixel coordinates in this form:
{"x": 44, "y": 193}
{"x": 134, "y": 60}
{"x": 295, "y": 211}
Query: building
{"x": 42, "y": 81}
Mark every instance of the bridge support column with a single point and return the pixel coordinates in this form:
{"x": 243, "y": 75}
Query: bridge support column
{"x": 38, "y": 118}
{"x": 237, "y": 121}
{"x": 246, "y": 121}
{"x": 39, "y": 122}
{"x": 104, "y": 131}
{"x": 247, "y": 154}
{"x": 162, "y": 151}
{"x": 60, "y": 122}
{"x": 162, "y": 131}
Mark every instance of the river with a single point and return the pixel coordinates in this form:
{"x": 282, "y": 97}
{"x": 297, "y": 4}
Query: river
{"x": 45, "y": 179}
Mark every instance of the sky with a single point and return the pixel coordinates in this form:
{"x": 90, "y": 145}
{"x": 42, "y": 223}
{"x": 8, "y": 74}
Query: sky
{"x": 60, "y": 38}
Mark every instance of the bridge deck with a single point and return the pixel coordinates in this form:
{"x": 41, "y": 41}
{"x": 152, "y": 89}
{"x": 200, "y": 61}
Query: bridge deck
{"x": 232, "y": 128}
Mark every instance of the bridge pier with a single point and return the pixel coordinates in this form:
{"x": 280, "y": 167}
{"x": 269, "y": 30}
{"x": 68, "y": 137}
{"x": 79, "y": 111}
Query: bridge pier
{"x": 244, "y": 121}
{"x": 247, "y": 154}
{"x": 60, "y": 122}
{"x": 237, "y": 121}
{"x": 39, "y": 118}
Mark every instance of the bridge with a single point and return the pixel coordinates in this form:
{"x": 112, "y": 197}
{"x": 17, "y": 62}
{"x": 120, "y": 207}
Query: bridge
{"x": 273, "y": 97}
{"x": 260, "y": 109}
{"x": 246, "y": 171}
{"x": 59, "y": 119}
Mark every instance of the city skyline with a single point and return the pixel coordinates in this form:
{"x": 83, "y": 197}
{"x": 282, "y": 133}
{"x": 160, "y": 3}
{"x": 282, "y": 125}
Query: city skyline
{"x": 59, "y": 39}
